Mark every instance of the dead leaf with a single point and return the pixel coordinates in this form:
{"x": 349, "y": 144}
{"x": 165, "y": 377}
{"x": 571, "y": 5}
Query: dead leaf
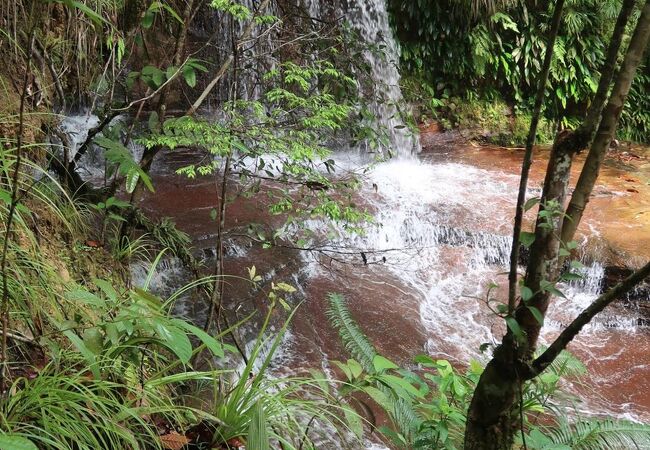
{"x": 235, "y": 442}
{"x": 174, "y": 441}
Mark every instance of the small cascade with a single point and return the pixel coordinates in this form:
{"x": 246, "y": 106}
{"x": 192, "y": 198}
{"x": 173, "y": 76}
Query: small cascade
{"x": 370, "y": 19}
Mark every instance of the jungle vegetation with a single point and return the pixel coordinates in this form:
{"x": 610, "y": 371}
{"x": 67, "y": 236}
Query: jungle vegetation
{"x": 91, "y": 360}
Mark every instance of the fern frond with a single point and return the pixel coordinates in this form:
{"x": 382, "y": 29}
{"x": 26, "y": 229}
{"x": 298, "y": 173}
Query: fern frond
{"x": 403, "y": 414}
{"x": 354, "y": 340}
{"x": 601, "y": 435}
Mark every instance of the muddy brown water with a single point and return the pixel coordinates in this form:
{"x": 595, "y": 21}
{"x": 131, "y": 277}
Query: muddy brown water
{"x": 424, "y": 299}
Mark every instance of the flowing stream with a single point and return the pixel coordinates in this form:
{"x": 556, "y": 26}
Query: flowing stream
{"x": 416, "y": 280}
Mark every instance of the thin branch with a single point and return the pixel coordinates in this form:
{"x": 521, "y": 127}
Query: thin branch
{"x": 528, "y": 156}
{"x": 567, "y": 335}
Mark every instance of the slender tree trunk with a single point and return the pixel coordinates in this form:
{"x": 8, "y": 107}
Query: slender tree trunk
{"x": 491, "y": 420}
{"x": 608, "y": 124}
{"x": 528, "y": 155}
{"x": 592, "y": 118}
{"x": 491, "y": 424}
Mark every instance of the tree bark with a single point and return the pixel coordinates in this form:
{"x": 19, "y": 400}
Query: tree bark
{"x": 593, "y": 116}
{"x": 608, "y": 124}
{"x": 528, "y": 155}
{"x": 543, "y": 262}
{"x": 567, "y": 335}
{"x": 490, "y": 421}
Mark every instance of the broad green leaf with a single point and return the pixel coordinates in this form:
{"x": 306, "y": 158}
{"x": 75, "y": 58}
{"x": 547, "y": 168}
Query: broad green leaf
{"x": 354, "y": 421}
{"x": 514, "y": 327}
{"x": 526, "y": 293}
{"x": 355, "y": 368}
{"x": 345, "y": 369}
{"x": 83, "y": 296}
{"x": 400, "y": 385}
{"x": 211, "y": 343}
{"x": 107, "y": 289}
{"x": 378, "y": 396}
{"x": 381, "y": 364}
{"x": 530, "y": 203}
{"x": 85, "y": 351}
{"x": 175, "y": 340}
{"x": 147, "y": 20}
{"x": 537, "y": 314}
{"x": 189, "y": 74}
{"x": 94, "y": 340}
{"x": 526, "y": 238}
{"x": 569, "y": 276}
{"x": 16, "y": 442}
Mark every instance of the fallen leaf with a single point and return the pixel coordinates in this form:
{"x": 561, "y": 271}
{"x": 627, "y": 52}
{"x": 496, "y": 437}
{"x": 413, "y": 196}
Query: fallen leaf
{"x": 235, "y": 442}
{"x": 174, "y": 441}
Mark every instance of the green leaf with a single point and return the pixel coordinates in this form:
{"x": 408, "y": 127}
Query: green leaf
{"x": 175, "y": 340}
{"x": 83, "y": 296}
{"x": 211, "y": 343}
{"x": 353, "y": 420}
{"x": 258, "y": 433}
{"x": 94, "y": 340}
{"x": 147, "y": 20}
{"x": 526, "y": 238}
{"x": 570, "y": 276}
{"x": 401, "y": 387}
{"x": 549, "y": 287}
{"x": 530, "y": 203}
{"x": 572, "y": 245}
{"x": 92, "y": 15}
{"x": 345, "y": 369}
{"x": 575, "y": 264}
{"x": 378, "y": 396}
{"x": 16, "y": 442}
{"x": 355, "y": 368}
{"x": 536, "y": 314}
{"x": 107, "y": 289}
{"x": 153, "y": 121}
{"x": 132, "y": 181}
{"x": 514, "y": 327}
{"x": 526, "y": 293}
{"x": 189, "y": 74}
{"x": 381, "y": 364}
{"x": 85, "y": 351}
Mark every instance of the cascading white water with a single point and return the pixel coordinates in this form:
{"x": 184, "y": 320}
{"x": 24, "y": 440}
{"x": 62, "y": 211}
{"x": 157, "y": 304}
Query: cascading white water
{"x": 370, "y": 19}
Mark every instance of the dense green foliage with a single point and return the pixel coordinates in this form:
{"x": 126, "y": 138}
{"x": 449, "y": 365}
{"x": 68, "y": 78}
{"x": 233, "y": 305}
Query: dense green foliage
{"x": 498, "y": 53}
{"x": 428, "y": 405}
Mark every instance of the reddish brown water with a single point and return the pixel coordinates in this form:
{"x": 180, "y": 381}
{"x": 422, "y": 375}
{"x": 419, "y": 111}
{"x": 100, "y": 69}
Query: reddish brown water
{"x": 423, "y": 297}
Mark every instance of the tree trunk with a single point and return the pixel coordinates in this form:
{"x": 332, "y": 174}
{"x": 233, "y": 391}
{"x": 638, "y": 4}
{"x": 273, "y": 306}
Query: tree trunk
{"x": 528, "y": 155}
{"x": 490, "y": 423}
{"x": 592, "y": 118}
{"x": 543, "y": 262}
{"x": 608, "y": 125}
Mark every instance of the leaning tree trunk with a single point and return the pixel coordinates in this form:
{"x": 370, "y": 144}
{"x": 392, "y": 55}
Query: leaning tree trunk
{"x": 490, "y": 423}
{"x": 608, "y": 124}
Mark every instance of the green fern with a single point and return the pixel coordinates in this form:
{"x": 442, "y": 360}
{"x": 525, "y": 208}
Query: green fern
{"x": 600, "y": 435}
{"x": 354, "y": 340}
{"x": 403, "y": 414}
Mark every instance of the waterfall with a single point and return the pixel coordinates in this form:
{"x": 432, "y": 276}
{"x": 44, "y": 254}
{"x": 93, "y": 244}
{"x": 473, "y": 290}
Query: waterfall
{"x": 370, "y": 19}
